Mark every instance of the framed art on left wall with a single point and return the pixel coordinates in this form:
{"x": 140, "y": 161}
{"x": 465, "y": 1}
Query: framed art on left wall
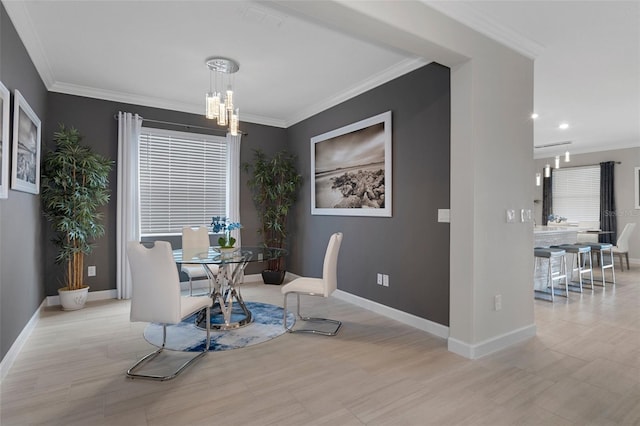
{"x": 25, "y": 171}
{"x": 4, "y": 141}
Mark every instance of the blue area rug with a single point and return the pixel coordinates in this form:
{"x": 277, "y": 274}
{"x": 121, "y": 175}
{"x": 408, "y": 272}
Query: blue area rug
{"x": 266, "y": 325}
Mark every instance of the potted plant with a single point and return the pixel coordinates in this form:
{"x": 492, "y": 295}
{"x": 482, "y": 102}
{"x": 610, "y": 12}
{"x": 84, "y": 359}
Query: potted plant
{"x": 74, "y": 185}
{"x": 221, "y": 225}
{"x": 274, "y": 182}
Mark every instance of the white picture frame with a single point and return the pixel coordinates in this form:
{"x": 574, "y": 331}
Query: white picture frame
{"x": 5, "y": 100}
{"x": 351, "y": 169}
{"x": 25, "y": 170}
{"x": 636, "y": 176}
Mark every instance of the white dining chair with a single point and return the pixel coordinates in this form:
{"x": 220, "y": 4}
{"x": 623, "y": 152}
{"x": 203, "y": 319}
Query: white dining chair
{"x": 156, "y": 298}
{"x": 322, "y": 287}
{"x": 622, "y": 245}
{"x": 195, "y": 240}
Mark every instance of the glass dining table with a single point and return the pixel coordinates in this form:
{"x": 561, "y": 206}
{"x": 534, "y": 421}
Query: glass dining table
{"x": 225, "y": 290}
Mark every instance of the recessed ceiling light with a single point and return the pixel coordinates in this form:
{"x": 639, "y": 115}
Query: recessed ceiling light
{"x": 534, "y": 115}
{"x": 563, "y": 126}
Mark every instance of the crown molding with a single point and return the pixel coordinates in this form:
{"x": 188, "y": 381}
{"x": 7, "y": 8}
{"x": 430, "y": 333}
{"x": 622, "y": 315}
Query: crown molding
{"x": 20, "y": 17}
{"x": 127, "y": 98}
{"x": 587, "y": 149}
{"x": 473, "y": 18}
{"x": 376, "y": 80}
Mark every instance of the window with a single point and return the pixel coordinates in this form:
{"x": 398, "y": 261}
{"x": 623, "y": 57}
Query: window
{"x": 576, "y": 193}
{"x": 183, "y": 180}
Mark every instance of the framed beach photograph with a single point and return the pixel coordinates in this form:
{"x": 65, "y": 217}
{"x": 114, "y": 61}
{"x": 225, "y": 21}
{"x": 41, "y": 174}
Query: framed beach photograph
{"x": 25, "y": 170}
{"x": 351, "y": 169}
{"x": 4, "y": 141}
{"x": 636, "y": 177}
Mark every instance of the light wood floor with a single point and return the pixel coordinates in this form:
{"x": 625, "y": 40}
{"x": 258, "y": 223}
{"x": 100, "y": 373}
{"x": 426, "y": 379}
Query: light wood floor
{"x": 582, "y": 368}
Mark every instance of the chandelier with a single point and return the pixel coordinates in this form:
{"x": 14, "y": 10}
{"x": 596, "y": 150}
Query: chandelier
{"x": 547, "y": 167}
{"x": 219, "y": 104}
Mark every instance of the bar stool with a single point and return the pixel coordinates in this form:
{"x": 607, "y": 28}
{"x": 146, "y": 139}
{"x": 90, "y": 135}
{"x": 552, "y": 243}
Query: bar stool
{"x": 599, "y": 249}
{"x": 552, "y": 254}
{"x": 582, "y": 252}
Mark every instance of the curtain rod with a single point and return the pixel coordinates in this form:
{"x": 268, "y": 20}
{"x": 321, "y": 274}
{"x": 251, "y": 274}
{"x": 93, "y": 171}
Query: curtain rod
{"x": 584, "y": 165}
{"x": 192, "y": 126}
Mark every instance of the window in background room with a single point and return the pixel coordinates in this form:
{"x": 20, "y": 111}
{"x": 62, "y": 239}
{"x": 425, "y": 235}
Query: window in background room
{"x": 576, "y": 193}
{"x": 183, "y": 180}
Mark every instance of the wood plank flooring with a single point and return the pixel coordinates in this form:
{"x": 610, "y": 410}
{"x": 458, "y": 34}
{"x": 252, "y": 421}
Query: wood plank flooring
{"x": 582, "y": 368}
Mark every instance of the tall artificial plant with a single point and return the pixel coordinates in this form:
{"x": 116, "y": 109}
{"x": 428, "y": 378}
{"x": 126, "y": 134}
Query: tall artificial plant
{"x": 274, "y": 182}
{"x": 74, "y": 185}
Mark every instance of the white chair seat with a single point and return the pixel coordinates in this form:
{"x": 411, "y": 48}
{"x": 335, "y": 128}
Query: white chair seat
{"x": 194, "y": 270}
{"x": 306, "y": 285}
{"x": 190, "y": 305}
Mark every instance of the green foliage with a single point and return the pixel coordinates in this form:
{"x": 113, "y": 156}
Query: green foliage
{"x": 274, "y": 182}
{"x": 74, "y": 185}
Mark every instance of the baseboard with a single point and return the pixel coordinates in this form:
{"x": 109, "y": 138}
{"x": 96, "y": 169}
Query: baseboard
{"x": 91, "y": 296}
{"x": 403, "y": 317}
{"x": 489, "y": 346}
{"x": 16, "y": 347}
{"x": 113, "y": 293}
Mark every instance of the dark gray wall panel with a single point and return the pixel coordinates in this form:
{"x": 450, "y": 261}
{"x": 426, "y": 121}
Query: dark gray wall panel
{"x": 412, "y": 247}
{"x": 94, "y": 119}
{"x": 21, "y": 270}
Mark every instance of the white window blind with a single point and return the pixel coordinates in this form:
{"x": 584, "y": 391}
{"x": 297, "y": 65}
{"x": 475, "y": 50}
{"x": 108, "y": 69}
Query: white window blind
{"x": 182, "y": 180}
{"x": 576, "y": 193}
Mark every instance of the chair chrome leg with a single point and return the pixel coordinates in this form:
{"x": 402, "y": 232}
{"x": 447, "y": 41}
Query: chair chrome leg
{"x": 309, "y": 319}
{"x": 132, "y": 372}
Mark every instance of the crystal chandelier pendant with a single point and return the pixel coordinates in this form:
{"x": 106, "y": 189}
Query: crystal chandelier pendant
{"x": 222, "y": 117}
{"x": 233, "y": 122}
{"x": 210, "y": 106}
{"x": 217, "y": 107}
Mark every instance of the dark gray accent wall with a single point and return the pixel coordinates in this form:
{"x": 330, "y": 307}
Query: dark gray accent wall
{"x": 411, "y": 247}
{"x": 94, "y": 118}
{"x": 21, "y": 266}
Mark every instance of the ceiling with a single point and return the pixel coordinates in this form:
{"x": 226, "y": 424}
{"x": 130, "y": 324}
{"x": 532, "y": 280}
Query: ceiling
{"x": 587, "y": 58}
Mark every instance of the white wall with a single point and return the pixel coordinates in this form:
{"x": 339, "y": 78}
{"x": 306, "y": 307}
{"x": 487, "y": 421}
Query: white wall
{"x": 491, "y": 165}
{"x": 623, "y": 187}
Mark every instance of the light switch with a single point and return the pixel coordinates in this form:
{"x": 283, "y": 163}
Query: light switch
{"x": 511, "y": 216}
{"x": 444, "y": 215}
{"x": 525, "y": 215}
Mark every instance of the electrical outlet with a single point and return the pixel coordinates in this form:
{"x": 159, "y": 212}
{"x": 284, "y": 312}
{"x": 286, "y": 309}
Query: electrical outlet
{"x": 91, "y": 271}
{"x": 379, "y": 279}
{"x": 497, "y": 302}
{"x": 511, "y": 216}
{"x": 385, "y": 280}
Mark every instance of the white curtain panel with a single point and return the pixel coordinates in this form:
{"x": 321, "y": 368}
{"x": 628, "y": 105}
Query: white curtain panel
{"x": 233, "y": 182}
{"x": 233, "y": 188}
{"x": 128, "y": 217}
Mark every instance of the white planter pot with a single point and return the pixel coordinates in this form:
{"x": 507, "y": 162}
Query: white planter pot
{"x": 72, "y": 300}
